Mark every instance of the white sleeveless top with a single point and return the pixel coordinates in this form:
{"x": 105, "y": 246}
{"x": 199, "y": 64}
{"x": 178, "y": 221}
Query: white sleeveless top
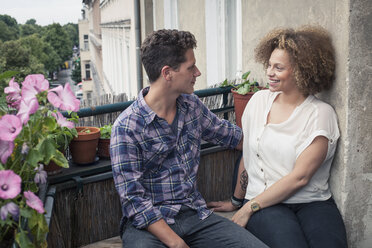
{"x": 270, "y": 150}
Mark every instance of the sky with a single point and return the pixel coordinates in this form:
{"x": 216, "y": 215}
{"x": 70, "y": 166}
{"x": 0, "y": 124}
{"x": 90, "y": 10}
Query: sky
{"x": 45, "y": 12}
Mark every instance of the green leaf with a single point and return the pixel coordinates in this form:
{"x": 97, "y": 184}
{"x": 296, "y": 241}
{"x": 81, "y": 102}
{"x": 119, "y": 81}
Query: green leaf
{"x": 8, "y": 74}
{"x": 48, "y": 149}
{"x": 34, "y": 156}
{"x": 245, "y": 75}
{"x": 60, "y": 159}
{"x": 38, "y": 227}
{"x": 27, "y": 213}
{"x": 106, "y": 131}
{"x": 50, "y": 123}
{"x": 225, "y": 83}
{"x": 23, "y": 240}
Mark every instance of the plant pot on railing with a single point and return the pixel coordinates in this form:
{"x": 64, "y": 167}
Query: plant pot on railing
{"x": 240, "y": 101}
{"x": 104, "y": 142}
{"x": 104, "y": 148}
{"x": 83, "y": 148}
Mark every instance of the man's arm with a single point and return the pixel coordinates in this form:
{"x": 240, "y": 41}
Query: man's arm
{"x": 166, "y": 235}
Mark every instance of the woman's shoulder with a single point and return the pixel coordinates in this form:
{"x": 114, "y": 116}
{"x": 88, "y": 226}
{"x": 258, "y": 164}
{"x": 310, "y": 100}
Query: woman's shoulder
{"x": 263, "y": 95}
{"x": 323, "y": 108}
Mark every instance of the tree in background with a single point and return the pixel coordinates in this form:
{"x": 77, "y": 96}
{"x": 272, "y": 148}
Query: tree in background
{"x": 35, "y": 49}
{"x": 30, "y": 28}
{"x": 42, "y": 51}
{"x": 58, "y": 38}
{"x": 73, "y": 32}
{"x": 76, "y": 71}
{"x": 17, "y": 57}
{"x": 9, "y": 29}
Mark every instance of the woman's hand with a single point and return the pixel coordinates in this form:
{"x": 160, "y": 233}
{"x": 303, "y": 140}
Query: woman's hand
{"x": 221, "y": 206}
{"x": 242, "y": 216}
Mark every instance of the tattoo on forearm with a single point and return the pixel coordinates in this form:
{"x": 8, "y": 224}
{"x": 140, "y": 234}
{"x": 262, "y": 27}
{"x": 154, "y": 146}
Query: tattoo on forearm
{"x": 244, "y": 180}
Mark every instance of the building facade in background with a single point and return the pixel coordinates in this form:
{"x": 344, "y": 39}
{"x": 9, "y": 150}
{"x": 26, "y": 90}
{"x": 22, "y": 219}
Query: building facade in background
{"x": 85, "y": 61}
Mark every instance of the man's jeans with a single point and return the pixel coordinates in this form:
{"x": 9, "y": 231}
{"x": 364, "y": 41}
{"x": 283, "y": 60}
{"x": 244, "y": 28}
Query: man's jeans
{"x": 212, "y": 232}
{"x": 315, "y": 224}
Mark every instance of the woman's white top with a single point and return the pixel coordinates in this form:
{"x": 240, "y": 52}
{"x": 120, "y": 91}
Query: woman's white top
{"x": 270, "y": 150}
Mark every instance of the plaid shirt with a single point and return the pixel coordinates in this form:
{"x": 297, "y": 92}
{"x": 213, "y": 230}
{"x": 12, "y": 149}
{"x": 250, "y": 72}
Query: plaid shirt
{"x": 155, "y": 170}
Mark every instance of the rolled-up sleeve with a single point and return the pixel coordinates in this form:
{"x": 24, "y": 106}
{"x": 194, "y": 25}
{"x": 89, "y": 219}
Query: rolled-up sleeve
{"x": 127, "y": 169}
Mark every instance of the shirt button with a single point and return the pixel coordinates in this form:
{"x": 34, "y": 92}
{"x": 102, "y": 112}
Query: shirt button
{"x": 265, "y": 184}
{"x": 261, "y": 169}
{"x": 258, "y": 138}
{"x": 258, "y": 155}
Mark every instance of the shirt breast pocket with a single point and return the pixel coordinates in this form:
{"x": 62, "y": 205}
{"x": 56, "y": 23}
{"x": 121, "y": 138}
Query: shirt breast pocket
{"x": 192, "y": 142}
{"x": 154, "y": 154}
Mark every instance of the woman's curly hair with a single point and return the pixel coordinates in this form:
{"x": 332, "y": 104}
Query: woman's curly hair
{"x": 311, "y": 55}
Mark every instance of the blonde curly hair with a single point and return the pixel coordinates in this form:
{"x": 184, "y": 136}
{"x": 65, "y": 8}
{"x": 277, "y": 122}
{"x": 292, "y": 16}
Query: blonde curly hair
{"x": 311, "y": 55}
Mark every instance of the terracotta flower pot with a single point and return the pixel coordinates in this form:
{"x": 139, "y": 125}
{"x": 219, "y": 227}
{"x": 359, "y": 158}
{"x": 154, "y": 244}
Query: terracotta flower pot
{"x": 52, "y": 168}
{"x": 240, "y": 101}
{"x": 84, "y": 147}
{"x": 104, "y": 148}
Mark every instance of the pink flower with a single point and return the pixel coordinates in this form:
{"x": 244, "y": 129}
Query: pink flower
{"x": 26, "y": 108}
{"x": 33, "y": 85}
{"x": 29, "y": 93}
{"x": 63, "y": 98}
{"x": 37, "y": 81}
{"x": 13, "y": 88}
{"x": 34, "y": 202}
{"x": 10, "y": 184}
{"x": 6, "y": 149}
{"x": 14, "y": 94}
{"x": 62, "y": 121}
{"x": 10, "y": 208}
{"x": 10, "y": 127}
{"x": 41, "y": 175}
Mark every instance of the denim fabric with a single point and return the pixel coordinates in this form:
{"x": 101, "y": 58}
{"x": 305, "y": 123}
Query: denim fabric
{"x": 214, "y": 231}
{"x": 315, "y": 224}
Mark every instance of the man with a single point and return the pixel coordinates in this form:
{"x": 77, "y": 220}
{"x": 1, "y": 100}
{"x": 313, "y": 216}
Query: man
{"x": 155, "y": 154}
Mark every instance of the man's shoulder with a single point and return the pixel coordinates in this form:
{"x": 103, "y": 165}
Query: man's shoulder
{"x": 130, "y": 118}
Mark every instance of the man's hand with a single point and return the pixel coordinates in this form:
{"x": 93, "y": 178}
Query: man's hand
{"x": 221, "y": 206}
{"x": 166, "y": 235}
{"x": 179, "y": 243}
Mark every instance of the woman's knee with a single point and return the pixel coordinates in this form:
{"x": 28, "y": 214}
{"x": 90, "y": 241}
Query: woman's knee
{"x": 277, "y": 226}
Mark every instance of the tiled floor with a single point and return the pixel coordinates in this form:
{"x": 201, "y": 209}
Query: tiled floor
{"x": 115, "y": 242}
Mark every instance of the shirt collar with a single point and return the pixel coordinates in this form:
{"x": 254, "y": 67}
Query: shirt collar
{"x": 149, "y": 115}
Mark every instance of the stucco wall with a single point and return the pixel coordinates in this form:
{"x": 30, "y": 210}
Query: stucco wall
{"x": 192, "y": 18}
{"x": 358, "y": 140}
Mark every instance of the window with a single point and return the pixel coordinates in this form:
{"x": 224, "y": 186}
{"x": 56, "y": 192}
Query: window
{"x": 87, "y": 71}
{"x": 86, "y": 42}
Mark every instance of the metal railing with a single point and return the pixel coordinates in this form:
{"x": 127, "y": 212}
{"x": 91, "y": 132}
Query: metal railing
{"x": 120, "y": 106}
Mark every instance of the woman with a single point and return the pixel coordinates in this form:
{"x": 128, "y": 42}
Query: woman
{"x": 290, "y": 138}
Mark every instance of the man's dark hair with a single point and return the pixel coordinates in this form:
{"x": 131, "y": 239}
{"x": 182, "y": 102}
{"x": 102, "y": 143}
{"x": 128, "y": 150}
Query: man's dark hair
{"x": 165, "y": 47}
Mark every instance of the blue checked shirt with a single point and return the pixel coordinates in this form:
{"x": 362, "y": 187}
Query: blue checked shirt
{"x": 155, "y": 170}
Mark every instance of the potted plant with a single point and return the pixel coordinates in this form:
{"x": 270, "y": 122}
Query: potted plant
{"x": 104, "y": 141}
{"x": 242, "y": 93}
{"x": 29, "y": 131}
{"x": 83, "y": 148}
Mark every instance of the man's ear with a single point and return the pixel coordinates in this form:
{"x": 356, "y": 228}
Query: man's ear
{"x": 166, "y": 72}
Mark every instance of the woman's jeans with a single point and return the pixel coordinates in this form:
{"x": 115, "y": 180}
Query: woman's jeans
{"x": 315, "y": 224}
